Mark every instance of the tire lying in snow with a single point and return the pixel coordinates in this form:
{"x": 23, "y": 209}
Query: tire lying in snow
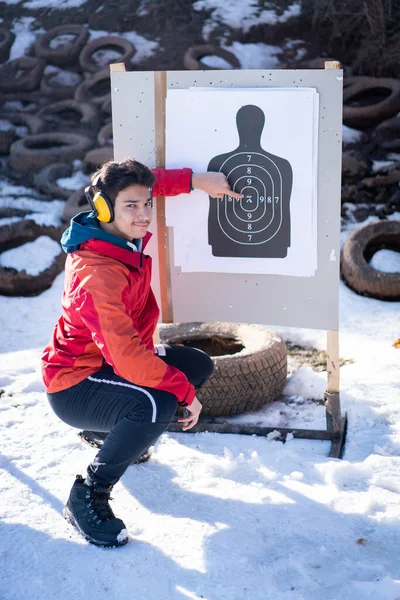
{"x": 87, "y": 58}
{"x": 34, "y": 152}
{"x": 356, "y": 256}
{"x": 6, "y": 41}
{"x": 106, "y": 105}
{"x": 105, "y": 135}
{"x": 21, "y": 75}
{"x": 245, "y": 380}
{"x": 20, "y": 283}
{"x": 354, "y": 166}
{"x": 97, "y": 157}
{"x": 378, "y": 181}
{"x": 369, "y": 100}
{"x": 75, "y": 204}
{"x": 46, "y": 180}
{"x": 194, "y": 54}
{"x": 28, "y": 103}
{"x": 9, "y": 211}
{"x": 387, "y": 134}
{"x": 33, "y": 123}
{"x": 64, "y": 50}
{"x": 94, "y": 90}
{"x": 59, "y": 84}
{"x": 67, "y": 114}
{"x": 7, "y": 136}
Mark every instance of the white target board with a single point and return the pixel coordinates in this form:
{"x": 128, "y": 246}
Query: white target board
{"x": 290, "y": 279}
{"x": 265, "y": 142}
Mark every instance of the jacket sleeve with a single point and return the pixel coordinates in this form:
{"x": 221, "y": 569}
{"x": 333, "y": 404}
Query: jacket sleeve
{"x": 105, "y": 313}
{"x": 171, "y": 182}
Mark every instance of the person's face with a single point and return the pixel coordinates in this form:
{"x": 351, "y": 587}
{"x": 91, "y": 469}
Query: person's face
{"x": 132, "y": 212}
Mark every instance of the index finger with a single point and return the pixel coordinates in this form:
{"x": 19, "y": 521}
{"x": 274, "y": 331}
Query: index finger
{"x": 234, "y": 194}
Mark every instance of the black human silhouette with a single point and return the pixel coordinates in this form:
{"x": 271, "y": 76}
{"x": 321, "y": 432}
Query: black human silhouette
{"x": 257, "y": 225}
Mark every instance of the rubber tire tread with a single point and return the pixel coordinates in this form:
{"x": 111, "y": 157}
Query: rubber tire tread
{"x": 74, "y": 205}
{"x": 7, "y": 39}
{"x": 240, "y": 383}
{"x": 67, "y": 54}
{"x": 20, "y": 283}
{"x": 25, "y": 159}
{"x": 33, "y": 69}
{"x": 85, "y": 58}
{"x": 34, "y": 123}
{"x": 58, "y": 92}
{"x": 89, "y": 116}
{"x": 46, "y": 180}
{"x": 357, "y": 253}
{"x": 105, "y": 133}
{"x": 194, "y": 54}
{"x": 83, "y": 91}
{"x": 366, "y": 116}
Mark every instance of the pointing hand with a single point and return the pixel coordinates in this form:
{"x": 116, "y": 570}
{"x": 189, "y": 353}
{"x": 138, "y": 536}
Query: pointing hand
{"x": 214, "y": 184}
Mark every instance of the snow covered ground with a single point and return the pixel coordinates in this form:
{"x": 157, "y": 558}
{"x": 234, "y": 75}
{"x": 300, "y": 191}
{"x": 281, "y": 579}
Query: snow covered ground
{"x": 243, "y": 15}
{"x": 210, "y": 516}
{"x": 219, "y": 517}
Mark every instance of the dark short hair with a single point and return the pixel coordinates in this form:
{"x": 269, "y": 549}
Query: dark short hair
{"x": 116, "y": 176}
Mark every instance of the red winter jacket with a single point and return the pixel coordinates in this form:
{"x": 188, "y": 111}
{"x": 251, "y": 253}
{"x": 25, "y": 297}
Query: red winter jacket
{"x": 109, "y": 312}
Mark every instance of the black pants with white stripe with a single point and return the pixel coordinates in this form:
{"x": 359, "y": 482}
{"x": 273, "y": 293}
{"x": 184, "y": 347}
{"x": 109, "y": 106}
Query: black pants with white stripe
{"x": 134, "y": 416}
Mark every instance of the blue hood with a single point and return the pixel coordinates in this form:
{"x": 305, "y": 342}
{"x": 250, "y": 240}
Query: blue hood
{"x": 84, "y": 227}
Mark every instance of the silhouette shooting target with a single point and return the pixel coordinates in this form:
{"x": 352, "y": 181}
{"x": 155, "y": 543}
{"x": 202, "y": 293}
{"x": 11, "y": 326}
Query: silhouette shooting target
{"x": 257, "y": 225}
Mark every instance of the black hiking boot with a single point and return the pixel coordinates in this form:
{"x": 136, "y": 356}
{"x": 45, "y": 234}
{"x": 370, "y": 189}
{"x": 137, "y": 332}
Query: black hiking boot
{"x": 95, "y": 439}
{"x": 88, "y": 510}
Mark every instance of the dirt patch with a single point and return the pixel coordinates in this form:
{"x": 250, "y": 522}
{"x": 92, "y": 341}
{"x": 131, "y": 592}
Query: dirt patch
{"x": 299, "y": 356}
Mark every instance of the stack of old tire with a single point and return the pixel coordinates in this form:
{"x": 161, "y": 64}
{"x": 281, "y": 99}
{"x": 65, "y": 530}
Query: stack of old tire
{"x": 371, "y": 105}
{"x": 57, "y": 109}
{"x": 63, "y": 96}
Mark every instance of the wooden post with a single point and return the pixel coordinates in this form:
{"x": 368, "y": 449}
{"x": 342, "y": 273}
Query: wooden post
{"x": 333, "y": 361}
{"x": 332, "y": 64}
{"x": 160, "y": 91}
{"x": 117, "y": 67}
{"x": 332, "y": 395}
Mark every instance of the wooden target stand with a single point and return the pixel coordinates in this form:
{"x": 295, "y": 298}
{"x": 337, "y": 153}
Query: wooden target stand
{"x": 336, "y": 424}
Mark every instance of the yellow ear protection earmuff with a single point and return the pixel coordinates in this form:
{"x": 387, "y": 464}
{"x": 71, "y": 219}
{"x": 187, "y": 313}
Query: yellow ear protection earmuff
{"x": 99, "y": 202}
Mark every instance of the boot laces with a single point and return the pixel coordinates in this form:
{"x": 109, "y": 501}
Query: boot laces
{"x": 99, "y": 502}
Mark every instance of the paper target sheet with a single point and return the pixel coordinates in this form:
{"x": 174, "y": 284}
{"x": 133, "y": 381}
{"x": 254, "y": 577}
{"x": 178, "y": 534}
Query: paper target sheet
{"x": 265, "y": 142}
